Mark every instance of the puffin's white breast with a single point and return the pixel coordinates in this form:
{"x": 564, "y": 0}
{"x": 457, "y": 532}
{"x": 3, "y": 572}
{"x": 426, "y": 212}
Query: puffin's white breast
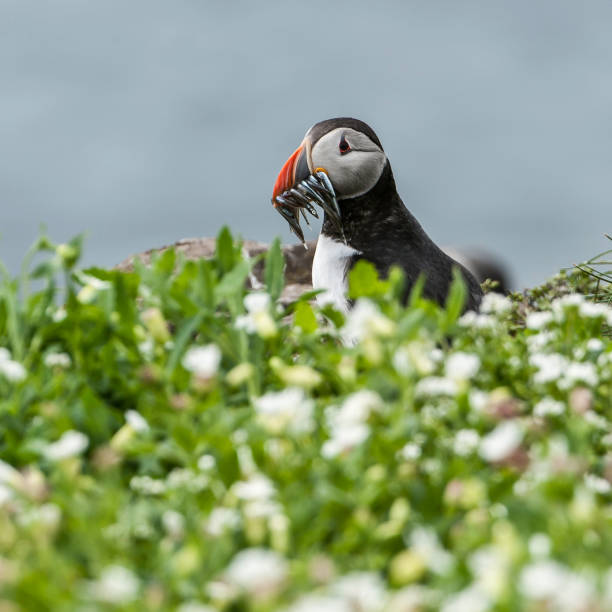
{"x": 329, "y": 269}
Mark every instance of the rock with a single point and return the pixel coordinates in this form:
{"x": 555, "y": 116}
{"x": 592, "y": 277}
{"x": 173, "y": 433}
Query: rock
{"x": 298, "y": 261}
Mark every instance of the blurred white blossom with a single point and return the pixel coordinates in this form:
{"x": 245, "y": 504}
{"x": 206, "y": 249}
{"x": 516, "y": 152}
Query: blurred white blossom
{"x": 548, "y": 407}
{"x": 116, "y": 585}
{"x": 288, "y": 409}
{"x": 578, "y": 372}
{"x": 435, "y": 385}
{"x": 258, "y": 571}
{"x": 221, "y": 520}
{"x": 57, "y": 360}
{"x": 461, "y": 366}
{"x": 203, "y": 361}
{"x": 10, "y": 369}
{"x": 364, "y": 591}
{"x": 71, "y": 443}
{"x": 538, "y": 320}
{"x": 136, "y": 421}
{"x": 258, "y": 318}
{"x": 500, "y": 443}
{"x": 495, "y": 303}
{"x": 365, "y": 319}
{"x": 465, "y": 442}
{"x": 550, "y": 367}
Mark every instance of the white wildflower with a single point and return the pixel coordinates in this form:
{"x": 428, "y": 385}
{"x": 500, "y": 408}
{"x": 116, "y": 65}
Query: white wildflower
{"x": 538, "y": 320}
{"x": 410, "y": 451}
{"x": 221, "y": 520}
{"x": 258, "y": 319}
{"x": 92, "y": 286}
{"x": 435, "y": 385}
{"x": 147, "y": 485}
{"x": 478, "y": 321}
{"x": 345, "y": 439}
{"x": 147, "y": 348}
{"x": 136, "y": 421}
{"x": 495, "y": 303}
{"x": 466, "y": 441}
{"x": 289, "y": 409}
{"x": 539, "y": 545}
{"x": 489, "y": 566}
{"x": 470, "y": 599}
{"x": 414, "y": 357}
{"x": 365, "y": 319}
{"x": 117, "y": 585}
{"x": 6, "y": 494}
{"x": 594, "y": 310}
{"x": 10, "y": 369}
{"x": 70, "y": 444}
{"x": 206, "y": 462}
{"x": 194, "y": 606}
{"x": 184, "y": 478}
{"x": 547, "y": 580}
{"x": 567, "y": 301}
{"x": 542, "y": 579}
{"x": 540, "y": 341}
{"x": 595, "y": 345}
{"x": 597, "y": 483}
{"x": 548, "y": 407}
{"x": 595, "y": 419}
{"x": 462, "y": 366}
{"x": 258, "y": 571}
{"x": 478, "y": 399}
{"x": 174, "y": 523}
{"x": 356, "y": 408}
{"x": 57, "y": 360}
{"x": 425, "y": 543}
{"x": 578, "y": 372}
{"x": 550, "y": 367}
{"x": 321, "y": 603}
{"x": 256, "y": 302}
{"x": 364, "y": 591}
{"x": 257, "y": 487}
{"x": 203, "y": 361}
{"x": 9, "y": 475}
{"x": 501, "y": 442}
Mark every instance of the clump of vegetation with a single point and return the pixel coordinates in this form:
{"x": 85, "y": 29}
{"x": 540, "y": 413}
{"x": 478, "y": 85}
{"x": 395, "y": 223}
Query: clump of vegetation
{"x": 172, "y": 441}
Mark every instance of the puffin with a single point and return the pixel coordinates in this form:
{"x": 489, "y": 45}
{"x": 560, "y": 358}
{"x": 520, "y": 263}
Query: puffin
{"x": 341, "y": 166}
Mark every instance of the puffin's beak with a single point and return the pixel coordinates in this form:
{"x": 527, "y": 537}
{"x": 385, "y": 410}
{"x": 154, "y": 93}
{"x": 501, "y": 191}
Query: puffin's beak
{"x": 297, "y": 189}
{"x": 293, "y": 172}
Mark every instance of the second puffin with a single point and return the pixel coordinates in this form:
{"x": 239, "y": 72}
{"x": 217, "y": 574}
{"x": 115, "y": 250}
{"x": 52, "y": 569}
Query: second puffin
{"x": 341, "y": 167}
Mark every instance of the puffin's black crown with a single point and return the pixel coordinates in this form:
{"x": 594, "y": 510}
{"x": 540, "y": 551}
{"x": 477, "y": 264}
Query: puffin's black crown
{"x": 323, "y": 127}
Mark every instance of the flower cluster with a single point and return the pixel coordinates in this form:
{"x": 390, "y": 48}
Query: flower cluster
{"x": 172, "y": 440}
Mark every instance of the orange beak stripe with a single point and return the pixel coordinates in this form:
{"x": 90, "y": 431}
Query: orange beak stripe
{"x": 286, "y": 177}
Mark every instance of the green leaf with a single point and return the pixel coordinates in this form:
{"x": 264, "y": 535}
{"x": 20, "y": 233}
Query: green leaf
{"x": 456, "y": 297}
{"x": 274, "y": 270}
{"x": 234, "y": 281}
{"x": 225, "y": 250}
{"x": 183, "y": 336}
{"x": 304, "y": 317}
{"x": 165, "y": 262}
{"x": 364, "y": 281}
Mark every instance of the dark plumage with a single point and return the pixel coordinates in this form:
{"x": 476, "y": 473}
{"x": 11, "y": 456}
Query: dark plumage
{"x": 375, "y": 224}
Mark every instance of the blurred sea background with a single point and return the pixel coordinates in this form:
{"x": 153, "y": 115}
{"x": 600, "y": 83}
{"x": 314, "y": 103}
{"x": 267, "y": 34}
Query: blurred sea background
{"x": 143, "y": 122}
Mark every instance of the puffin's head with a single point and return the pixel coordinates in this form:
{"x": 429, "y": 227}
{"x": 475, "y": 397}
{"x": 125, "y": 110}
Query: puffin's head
{"x": 346, "y": 150}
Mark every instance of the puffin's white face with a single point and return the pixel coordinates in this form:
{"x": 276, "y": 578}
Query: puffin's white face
{"x": 351, "y": 160}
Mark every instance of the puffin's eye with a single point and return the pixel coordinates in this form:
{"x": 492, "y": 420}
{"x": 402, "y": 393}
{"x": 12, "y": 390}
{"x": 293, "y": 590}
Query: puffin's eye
{"x": 344, "y": 146}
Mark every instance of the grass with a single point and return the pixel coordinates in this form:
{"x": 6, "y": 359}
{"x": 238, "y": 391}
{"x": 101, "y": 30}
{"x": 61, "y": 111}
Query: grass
{"x": 170, "y": 441}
